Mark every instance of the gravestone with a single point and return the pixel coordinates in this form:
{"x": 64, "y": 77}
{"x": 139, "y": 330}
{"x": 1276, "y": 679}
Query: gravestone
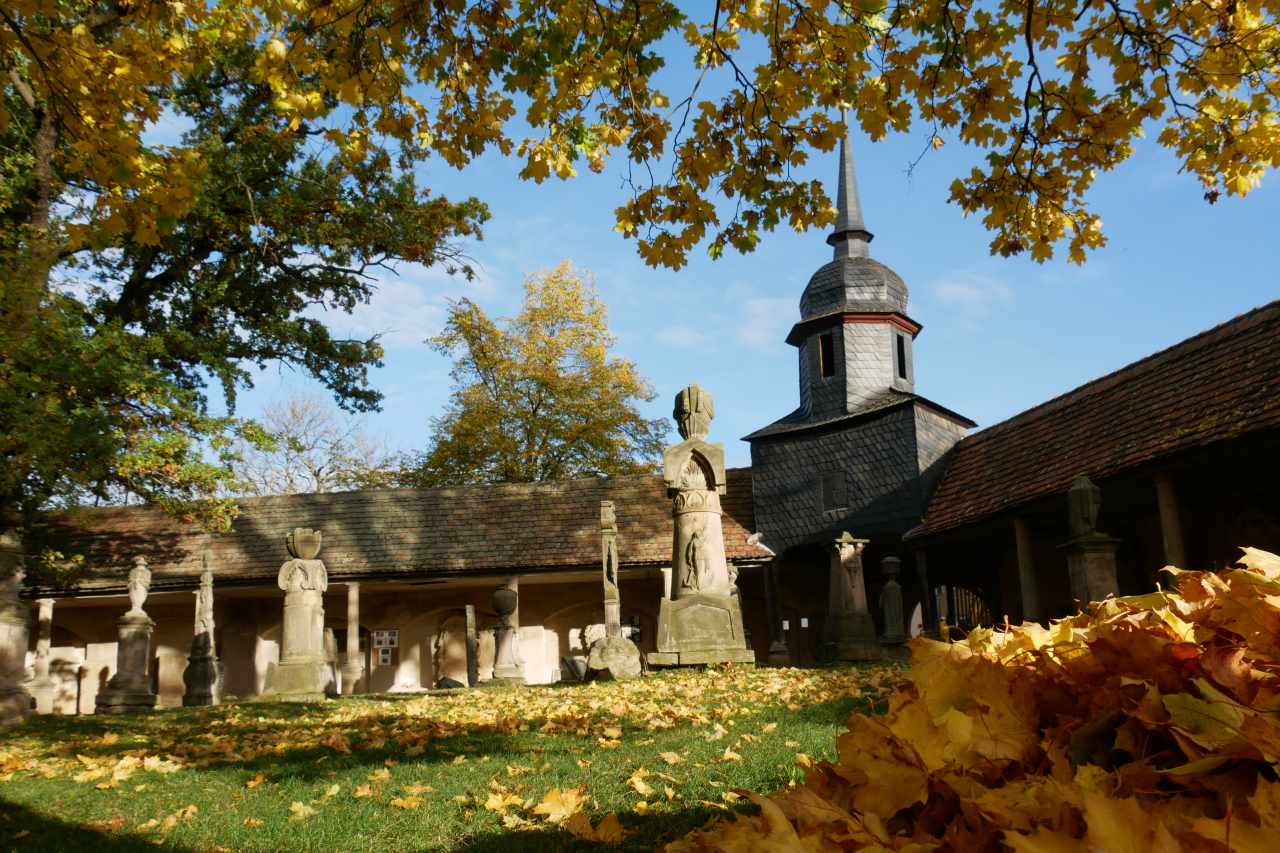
{"x": 129, "y": 690}
{"x": 700, "y": 622}
{"x": 893, "y": 642}
{"x": 506, "y": 634}
{"x": 850, "y": 630}
{"x": 612, "y": 657}
{"x": 303, "y": 673}
{"x": 1091, "y": 554}
{"x": 15, "y": 702}
{"x": 201, "y": 677}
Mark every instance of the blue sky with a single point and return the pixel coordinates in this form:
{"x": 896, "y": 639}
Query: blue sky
{"x": 999, "y": 335}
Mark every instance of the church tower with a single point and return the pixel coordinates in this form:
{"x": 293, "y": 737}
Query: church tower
{"x": 861, "y": 452}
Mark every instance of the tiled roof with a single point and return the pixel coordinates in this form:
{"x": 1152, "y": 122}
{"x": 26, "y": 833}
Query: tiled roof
{"x": 798, "y": 420}
{"x": 425, "y": 532}
{"x": 1218, "y": 385}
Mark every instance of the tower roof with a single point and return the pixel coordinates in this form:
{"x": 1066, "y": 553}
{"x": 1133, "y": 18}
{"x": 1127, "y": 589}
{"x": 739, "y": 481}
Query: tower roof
{"x": 850, "y": 237}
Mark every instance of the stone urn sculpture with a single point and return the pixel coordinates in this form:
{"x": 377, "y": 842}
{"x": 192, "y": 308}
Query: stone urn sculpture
{"x": 506, "y": 663}
{"x": 303, "y": 673}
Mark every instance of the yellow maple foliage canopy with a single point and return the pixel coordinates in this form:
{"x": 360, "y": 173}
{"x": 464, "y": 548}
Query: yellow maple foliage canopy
{"x": 1149, "y": 722}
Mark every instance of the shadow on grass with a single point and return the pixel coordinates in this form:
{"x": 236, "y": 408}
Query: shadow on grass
{"x": 23, "y": 829}
{"x": 649, "y": 832}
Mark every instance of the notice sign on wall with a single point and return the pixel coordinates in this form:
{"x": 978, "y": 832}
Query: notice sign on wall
{"x": 386, "y": 639}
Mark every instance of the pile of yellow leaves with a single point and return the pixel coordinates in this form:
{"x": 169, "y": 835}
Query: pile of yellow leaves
{"x": 1147, "y": 723}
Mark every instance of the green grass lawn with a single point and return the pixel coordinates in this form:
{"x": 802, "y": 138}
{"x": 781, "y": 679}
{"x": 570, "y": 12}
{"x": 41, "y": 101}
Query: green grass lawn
{"x": 465, "y": 770}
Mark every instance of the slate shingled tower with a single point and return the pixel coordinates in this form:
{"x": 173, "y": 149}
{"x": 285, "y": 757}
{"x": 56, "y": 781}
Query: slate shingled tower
{"x": 862, "y": 450}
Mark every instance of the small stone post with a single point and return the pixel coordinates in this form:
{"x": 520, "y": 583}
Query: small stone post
{"x": 303, "y": 674}
{"x": 129, "y": 690}
{"x": 1091, "y": 555}
{"x": 893, "y": 642}
{"x": 15, "y": 702}
{"x": 201, "y": 677}
{"x": 506, "y": 636}
{"x": 43, "y": 689}
{"x": 851, "y": 632}
{"x": 473, "y": 648}
{"x": 352, "y": 663}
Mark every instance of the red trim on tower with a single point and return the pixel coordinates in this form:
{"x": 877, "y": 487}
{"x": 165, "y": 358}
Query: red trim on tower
{"x": 804, "y": 328}
{"x": 907, "y": 325}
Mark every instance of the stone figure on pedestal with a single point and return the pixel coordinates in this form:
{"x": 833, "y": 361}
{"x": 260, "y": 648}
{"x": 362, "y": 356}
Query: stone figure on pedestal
{"x": 851, "y": 632}
{"x": 15, "y": 703}
{"x": 612, "y": 656}
{"x": 129, "y": 690}
{"x": 201, "y": 677}
{"x": 701, "y": 621}
{"x": 1091, "y": 554}
{"x": 893, "y": 642}
{"x": 303, "y": 673}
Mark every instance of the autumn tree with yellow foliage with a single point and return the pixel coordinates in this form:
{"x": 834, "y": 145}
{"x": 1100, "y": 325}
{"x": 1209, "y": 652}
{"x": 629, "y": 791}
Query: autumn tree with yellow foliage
{"x": 538, "y": 397}
{"x": 1050, "y": 93}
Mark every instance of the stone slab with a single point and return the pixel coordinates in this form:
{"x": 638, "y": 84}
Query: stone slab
{"x": 701, "y": 658}
{"x": 298, "y": 681}
{"x": 614, "y": 659}
{"x": 125, "y": 702}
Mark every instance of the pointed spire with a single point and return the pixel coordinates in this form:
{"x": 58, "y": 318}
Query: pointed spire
{"x": 850, "y": 237}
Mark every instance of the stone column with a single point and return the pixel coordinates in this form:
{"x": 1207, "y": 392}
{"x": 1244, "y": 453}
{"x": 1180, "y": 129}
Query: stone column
{"x": 1091, "y": 555}
{"x": 609, "y": 570}
{"x": 43, "y": 689}
{"x": 201, "y": 677}
{"x": 893, "y": 641}
{"x": 1170, "y": 521}
{"x": 851, "y": 632}
{"x": 1026, "y": 572}
{"x": 302, "y": 675}
{"x": 129, "y": 690}
{"x": 506, "y": 636}
{"x": 15, "y": 702}
{"x": 352, "y": 663}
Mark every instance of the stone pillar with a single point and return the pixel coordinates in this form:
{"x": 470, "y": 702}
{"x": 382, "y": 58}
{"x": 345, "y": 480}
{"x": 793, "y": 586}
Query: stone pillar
{"x": 303, "y": 674}
{"x": 893, "y": 641}
{"x": 1170, "y": 521}
{"x": 1027, "y": 583}
{"x": 202, "y": 676}
{"x": 506, "y": 636}
{"x": 851, "y": 632}
{"x": 666, "y": 582}
{"x": 129, "y": 690}
{"x": 43, "y": 689}
{"x": 1091, "y": 555}
{"x": 352, "y": 662}
{"x": 609, "y": 570}
{"x": 15, "y": 702}
{"x": 701, "y": 623}
{"x": 473, "y": 648}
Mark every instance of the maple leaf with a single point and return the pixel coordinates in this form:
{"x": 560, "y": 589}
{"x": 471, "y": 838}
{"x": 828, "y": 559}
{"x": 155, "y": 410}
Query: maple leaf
{"x": 500, "y": 801}
{"x": 362, "y": 791}
{"x": 559, "y": 804}
{"x": 637, "y": 783}
{"x": 300, "y": 811}
{"x": 670, "y": 757}
{"x": 406, "y": 802}
{"x": 608, "y": 831}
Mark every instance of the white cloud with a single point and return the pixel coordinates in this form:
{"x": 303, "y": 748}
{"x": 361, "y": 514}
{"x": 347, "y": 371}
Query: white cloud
{"x": 407, "y": 306}
{"x": 973, "y": 295}
{"x": 685, "y": 337}
{"x": 766, "y": 320}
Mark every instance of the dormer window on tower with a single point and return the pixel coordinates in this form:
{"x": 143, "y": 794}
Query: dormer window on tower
{"x": 826, "y": 355}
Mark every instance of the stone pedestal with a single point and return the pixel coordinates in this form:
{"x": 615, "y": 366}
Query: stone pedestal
{"x": 893, "y": 643}
{"x": 850, "y": 630}
{"x": 202, "y": 677}
{"x": 1091, "y": 566}
{"x": 129, "y": 690}
{"x": 303, "y": 673}
{"x": 701, "y": 622}
{"x": 506, "y": 635}
{"x": 15, "y": 702}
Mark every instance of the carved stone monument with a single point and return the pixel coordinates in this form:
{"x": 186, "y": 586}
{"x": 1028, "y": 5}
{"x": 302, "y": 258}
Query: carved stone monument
{"x": 15, "y": 703}
{"x": 613, "y": 656}
{"x": 303, "y": 673}
{"x": 201, "y": 677}
{"x": 1091, "y": 554}
{"x": 129, "y": 690}
{"x": 893, "y": 641}
{"x": 506, "y": 635}
{"x": 851, "y": 632}
{"x": 700, "y": 622}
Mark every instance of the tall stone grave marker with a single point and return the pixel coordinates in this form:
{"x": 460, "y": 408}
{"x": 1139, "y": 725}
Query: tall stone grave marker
{"x": 129, "y": 690}
{"x": 893, "y": 641}
{"x": 851, "y": 632}
{"x": 613, "y": 656}
{"x": 701, "y": 621}
{"x": 203, "y": 683}
{"x": 303, "y": 673}
{"x": 506, "y": 635}
{"x": 1091, "y": 554}
{"x": 15, "y": 703}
